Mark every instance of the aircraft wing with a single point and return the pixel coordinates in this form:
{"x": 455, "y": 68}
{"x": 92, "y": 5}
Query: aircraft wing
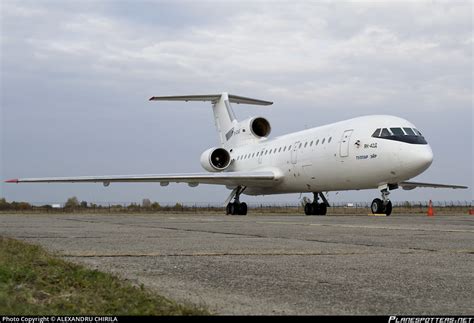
{"x": 411, "y": 185}
{"x": 258, "y": 179}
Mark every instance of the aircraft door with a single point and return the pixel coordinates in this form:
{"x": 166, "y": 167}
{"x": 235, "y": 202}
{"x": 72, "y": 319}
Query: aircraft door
{"x": 344, "y": 144}
{"x": 294, "y": 152}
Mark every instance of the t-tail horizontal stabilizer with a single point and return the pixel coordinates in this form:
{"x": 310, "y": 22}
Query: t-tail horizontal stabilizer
{"x": 224, "y": 116}
{"x": 214, "y": 98}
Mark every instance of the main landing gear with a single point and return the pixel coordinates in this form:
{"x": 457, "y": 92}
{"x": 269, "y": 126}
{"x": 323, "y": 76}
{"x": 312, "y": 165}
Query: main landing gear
{"x": 316, "y": 208}
{"x": 382, "y": 206}
{"x": 237, "y": 207}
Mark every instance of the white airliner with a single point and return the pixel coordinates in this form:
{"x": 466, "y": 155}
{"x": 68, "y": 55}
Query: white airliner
{"x": 371, "y": 152}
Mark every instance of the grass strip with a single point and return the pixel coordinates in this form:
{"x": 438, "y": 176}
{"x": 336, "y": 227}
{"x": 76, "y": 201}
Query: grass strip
{"x": 34, "y": 282}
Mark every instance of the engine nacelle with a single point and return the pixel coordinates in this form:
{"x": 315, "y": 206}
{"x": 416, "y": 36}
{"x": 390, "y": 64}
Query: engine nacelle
{"x": 215, "y": 159}
{"x": 259, "y": 127}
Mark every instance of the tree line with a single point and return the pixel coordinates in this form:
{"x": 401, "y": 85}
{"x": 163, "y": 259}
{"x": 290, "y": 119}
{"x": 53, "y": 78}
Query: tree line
{"x": 73, "y": 203}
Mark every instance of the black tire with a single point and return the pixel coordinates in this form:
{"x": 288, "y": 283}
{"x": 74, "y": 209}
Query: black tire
{"x": 377, "y": 206}
{"x": 233, "y": 208}
{"x": 228, "y": 209}
{"x": 308, "y": 209}
{"x": 323, "y": 209}
{"x": 388, "y": 208}
{"x": 316, "y": 208}
{"x": 243, "y": 208}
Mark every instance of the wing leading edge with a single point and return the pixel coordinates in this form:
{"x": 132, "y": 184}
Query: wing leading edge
{"x": 413, "y": 185}
{"x": 259, "y": 179}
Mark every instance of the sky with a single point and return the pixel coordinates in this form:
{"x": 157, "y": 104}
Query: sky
{"x": 76, "y": 77}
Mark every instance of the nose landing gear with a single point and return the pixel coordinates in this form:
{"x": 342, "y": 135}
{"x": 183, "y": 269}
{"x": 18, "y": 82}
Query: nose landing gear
{"x": 382, "y": 206}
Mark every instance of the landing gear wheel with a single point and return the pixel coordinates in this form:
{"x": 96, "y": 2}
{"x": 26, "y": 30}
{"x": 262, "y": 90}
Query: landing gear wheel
{"x": 228, "y": 209}
{"x": 236, "y": 208}
{"x": 322, "y": 209}
{"x": 388, "y": 208}
{"x": 231, "y": 208}
{"x": 243, "y": 208}
{"x": 315, "y": 209}
{"x": 377, "y": 206}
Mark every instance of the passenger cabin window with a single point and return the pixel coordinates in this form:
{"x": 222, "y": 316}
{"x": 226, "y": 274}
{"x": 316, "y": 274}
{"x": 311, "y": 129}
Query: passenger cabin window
{"x": 329, "y": 140}
{"x": 322, "y": 142}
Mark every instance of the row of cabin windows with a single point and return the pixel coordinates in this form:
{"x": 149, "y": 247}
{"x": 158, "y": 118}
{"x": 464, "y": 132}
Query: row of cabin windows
{"x": 283, "y": 149}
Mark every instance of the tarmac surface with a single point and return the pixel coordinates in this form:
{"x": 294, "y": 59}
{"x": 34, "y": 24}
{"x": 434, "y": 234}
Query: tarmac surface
{"x": 275, "y": 264}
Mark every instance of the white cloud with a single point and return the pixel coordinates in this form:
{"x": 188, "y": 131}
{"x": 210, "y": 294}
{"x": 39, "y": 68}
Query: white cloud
{"x": 345, "y": 58}
{"x": 275, "y": 45}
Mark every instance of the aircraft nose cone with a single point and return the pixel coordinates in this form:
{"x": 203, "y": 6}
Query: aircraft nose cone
{"x": 415, "y": 159}
{"x": 424, "y": 157}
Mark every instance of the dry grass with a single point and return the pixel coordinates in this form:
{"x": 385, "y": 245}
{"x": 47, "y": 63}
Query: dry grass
{"x": 33, "y": 282}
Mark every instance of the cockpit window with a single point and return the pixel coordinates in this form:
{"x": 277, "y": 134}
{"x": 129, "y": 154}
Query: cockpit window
{"x": 408, "y": 135}
{"x": 397, "y": 131}
{"x": 385, "y": 133}
{"x": 376, "y": 133}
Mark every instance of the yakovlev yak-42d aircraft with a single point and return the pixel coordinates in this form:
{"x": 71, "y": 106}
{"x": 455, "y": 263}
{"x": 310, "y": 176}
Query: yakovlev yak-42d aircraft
{"x": 371, "y": 152}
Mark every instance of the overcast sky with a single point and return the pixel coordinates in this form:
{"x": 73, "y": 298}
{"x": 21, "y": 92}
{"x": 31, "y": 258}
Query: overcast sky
{"x": 76, "y": 77}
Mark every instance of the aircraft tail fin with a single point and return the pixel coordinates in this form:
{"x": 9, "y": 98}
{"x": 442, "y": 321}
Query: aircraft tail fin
{"x": 224, "y": 116}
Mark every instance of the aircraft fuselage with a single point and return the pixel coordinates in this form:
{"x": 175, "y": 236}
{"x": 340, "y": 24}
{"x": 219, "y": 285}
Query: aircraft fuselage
{"x": 337, "y": 156}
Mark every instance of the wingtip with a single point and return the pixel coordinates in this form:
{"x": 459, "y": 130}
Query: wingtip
{"x": 15, "y": 180}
